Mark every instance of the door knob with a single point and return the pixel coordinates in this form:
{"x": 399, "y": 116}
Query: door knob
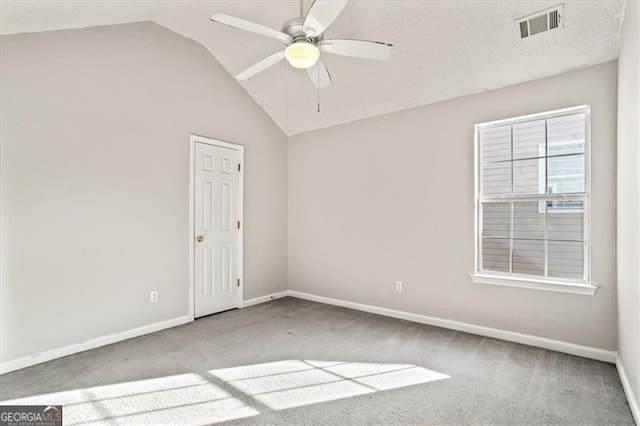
{"x": 199, "y": 238}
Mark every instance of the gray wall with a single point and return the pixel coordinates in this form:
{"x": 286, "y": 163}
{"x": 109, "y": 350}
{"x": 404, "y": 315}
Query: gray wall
{"x": 629, "y": 197}
{"x": 95, "y": 180}
{"x": 391, "y": 198}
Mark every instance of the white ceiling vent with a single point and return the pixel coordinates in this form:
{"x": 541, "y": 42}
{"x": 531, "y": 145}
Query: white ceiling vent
{"x": 540, "y": 22}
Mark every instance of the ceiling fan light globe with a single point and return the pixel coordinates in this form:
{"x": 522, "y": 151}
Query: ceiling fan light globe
{"x": 302, "y": 55}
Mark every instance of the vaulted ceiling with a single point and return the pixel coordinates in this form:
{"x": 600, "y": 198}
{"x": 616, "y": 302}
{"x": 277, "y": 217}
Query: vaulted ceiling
{"x": 443, "y": 49}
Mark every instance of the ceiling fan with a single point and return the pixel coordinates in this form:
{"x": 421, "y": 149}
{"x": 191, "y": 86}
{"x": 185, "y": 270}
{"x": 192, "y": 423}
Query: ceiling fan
{"x": 304, "y": 41}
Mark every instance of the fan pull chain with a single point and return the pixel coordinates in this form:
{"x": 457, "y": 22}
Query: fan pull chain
{"x": 318, "y": 85}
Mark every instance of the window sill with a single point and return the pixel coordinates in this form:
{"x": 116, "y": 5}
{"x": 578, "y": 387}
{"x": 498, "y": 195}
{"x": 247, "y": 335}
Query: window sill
{"x": 531, "y": 283}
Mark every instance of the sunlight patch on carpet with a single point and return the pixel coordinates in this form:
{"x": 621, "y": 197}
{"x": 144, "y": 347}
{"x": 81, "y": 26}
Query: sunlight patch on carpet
{"x": 295, "y": 383}
{"x": 179, "y": 399}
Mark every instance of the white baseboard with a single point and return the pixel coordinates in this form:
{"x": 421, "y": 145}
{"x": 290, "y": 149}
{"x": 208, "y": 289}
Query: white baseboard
{"x": 556, "y": 345}
{"x": 633, "y": 402}
{"x": 28, "y": 361}
{"x": 511, "y": 336}
{"x": 263, "y": 299}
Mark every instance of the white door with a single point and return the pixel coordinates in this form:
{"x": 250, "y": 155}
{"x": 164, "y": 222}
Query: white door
{"x": 216, "y": 229}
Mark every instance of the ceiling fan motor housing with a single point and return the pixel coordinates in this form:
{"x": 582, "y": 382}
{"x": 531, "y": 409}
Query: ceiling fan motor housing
{"x": 294, "y": 27}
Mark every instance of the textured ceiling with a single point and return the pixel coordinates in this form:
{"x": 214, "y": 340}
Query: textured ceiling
{"x": 443, "y": 49}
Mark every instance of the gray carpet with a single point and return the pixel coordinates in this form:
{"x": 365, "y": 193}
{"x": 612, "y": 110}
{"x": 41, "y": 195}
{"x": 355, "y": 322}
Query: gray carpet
{"x": 291, "y": 361}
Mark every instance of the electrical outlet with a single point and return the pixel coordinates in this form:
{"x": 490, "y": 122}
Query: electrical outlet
{"x": 398, "y": 285}
{"x": 153, "y": 296}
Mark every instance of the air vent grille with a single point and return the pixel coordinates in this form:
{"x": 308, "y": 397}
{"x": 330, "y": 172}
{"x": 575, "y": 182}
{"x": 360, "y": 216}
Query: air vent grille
{"x": 553, "y": 19}
{"x": 540, "y": 22}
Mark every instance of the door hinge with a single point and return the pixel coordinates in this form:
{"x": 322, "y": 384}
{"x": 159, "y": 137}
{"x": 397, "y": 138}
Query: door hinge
{"x": 238, "y": 282}
{"x": 238, "y": 224}
{"x": 239, "y": 166}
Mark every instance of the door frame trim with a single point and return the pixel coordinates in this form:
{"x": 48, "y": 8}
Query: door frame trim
{"x": 222, "y": 144}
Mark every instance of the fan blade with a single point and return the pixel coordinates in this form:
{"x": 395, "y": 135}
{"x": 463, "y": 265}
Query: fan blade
{"x": 319, "y": 75}
{"x": 357, "y": 48}
{"x": 322, "y": 14}
{"x": 232, "y": 21}
{"x": 267, "y": 62}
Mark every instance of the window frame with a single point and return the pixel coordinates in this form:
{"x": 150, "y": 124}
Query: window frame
{"x": 566, "y": 285}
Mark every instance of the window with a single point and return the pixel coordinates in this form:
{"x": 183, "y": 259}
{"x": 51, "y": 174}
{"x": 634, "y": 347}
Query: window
{"x": 532, "y": 201}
